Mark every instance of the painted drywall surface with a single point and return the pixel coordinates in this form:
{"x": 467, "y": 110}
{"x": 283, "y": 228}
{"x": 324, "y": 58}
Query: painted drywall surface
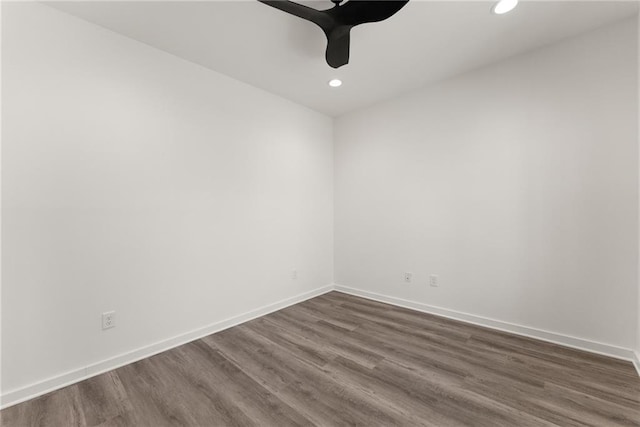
{"x": 0, "y": 215}
{"x": 137, "y": 182}
{"x": 637, "y": 348}
{"x": 517, "y": 184}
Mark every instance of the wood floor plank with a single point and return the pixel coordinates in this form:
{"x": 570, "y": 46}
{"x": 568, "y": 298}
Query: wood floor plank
{"x": 59, "y": 408}
{"x": 340, "y": 360}
{"x": 299, "y": 383}
{"x": 299, "y": 346}
{"x": 103, "y": 399}
{"x": 330, "y": 336}
{"x": 150, "y": 389}
{"x": 239, "y": 389}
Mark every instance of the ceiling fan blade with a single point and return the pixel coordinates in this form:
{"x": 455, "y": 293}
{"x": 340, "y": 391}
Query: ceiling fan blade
{"x": 337, "y": 53}
{"x": 338, "y": 21}
{"x": 356, "y": 12}
{"x": 300, "y": 10}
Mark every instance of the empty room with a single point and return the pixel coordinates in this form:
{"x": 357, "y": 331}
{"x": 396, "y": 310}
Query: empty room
{"x": 320, "y": 213}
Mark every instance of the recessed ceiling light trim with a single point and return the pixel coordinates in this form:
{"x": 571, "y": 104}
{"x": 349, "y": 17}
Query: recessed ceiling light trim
{"x": 335, "y": 82}
{"x": 504, "y": 6}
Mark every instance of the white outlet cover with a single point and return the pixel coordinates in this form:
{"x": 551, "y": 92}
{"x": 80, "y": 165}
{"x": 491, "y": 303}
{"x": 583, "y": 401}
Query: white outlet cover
{"x": 433, "y": 280}
{"x": 108, "y": 319}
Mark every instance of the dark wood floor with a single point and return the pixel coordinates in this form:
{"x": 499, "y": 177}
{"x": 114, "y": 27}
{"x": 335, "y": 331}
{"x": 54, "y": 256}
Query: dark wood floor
{"x": 343, "y": 360}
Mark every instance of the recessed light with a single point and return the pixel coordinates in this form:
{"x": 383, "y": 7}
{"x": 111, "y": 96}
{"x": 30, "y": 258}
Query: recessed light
{"x": 335, "y": 83}
{"x": 504, "y": 6}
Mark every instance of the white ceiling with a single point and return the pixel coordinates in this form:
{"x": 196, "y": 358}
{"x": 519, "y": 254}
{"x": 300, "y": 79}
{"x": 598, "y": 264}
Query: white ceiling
{"x": 424, "y": 42}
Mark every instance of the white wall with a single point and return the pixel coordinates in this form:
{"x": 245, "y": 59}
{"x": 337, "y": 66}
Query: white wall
{"x": 135, "y": 181}
{"x": 517, "y": 184}
{"x": 637, "y": 348}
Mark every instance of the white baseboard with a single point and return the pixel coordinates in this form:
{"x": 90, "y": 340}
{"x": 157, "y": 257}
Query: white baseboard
{"x": 22, "y": 394}
{"x": 552, "y": 337}
{"x": 636, "y": 361}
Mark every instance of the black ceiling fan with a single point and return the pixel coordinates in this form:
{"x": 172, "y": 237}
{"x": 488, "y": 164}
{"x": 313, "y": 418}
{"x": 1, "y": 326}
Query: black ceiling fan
{"x": 338, "y": 21}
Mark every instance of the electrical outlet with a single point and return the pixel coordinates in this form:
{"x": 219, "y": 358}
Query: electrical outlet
{"x": 433, "y": 280}
{"x": 108, "y": 320}
{"x": 408, "y": 277}
{"x": 294, "y": 274}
